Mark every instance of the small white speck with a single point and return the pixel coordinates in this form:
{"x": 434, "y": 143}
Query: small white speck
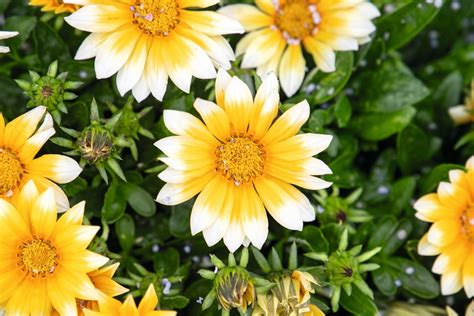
{"x": 200, "y": 300}
{"x": 320, "y": 209}
{"x": 155, "y": 248}
{"x": 216, "y": 269}
{"x": 402, "y": 234}
{"x": 450, "y": 300}
{"x": 382, "y": 190}
{"x": 389, "y": 8}
{"x": 187, "y": 249}
{"x": 455, "y": 5}
{"x": 411, "y": 300}
{"x": 398, "y": 283}
{"x": 167, "y": 200}
{"x": 409, "y": 270}
{"x": 166, "y": 286}
{"x": 83, "y": 74}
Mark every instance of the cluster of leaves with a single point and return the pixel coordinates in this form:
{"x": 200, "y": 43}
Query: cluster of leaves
{"x": 386, "y": 106}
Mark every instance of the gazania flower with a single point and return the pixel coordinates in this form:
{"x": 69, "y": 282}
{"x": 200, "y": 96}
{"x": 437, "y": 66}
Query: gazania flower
{"x": 20, "y": 141}
{"x": 102, "y": 280}
{"x": 111, "y": 307}
{"x": 147, "y": 41}
{"x": 464, "y": 113}
{"x": 44, "y": 261}
{"x": 451, "y": 210}
{"x": 58, "y": 6}
{"x": 241, "y": 163}
{"x": 5, "y": 35}
{"x": 279, "y": 28}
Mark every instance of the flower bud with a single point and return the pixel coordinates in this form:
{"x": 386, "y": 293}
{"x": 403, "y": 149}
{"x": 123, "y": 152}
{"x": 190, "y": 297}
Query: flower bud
{"x": 96, "y": 144}
{"x": 234, "y": 288}
{"x": 341, "y": 268}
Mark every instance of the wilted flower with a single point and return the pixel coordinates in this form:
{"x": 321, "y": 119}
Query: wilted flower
{"x": 408, "y": 309}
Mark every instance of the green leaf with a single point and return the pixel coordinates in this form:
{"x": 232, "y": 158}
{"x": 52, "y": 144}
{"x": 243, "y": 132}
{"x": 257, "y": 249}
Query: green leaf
{"x": 412, "y": 141}
{"x": 358, "y": 303}
{"x": 328, "y": 85}
{"x": 438, "y": 174}
{"x": 390, "y": 87}
{"x": 23, "y": 25}
{"x": 114, "y": 203}
{"x": 398, "y": 28}
{"x": 385, "y": 281}
{"x": 397, "y": 238}
{"x": 166, "y": 261}
{"x": 414, "y": 278}
{"x": 140, "y": 200}
{"x": 402, "y": 192}
{"x": 179, "y": 221}
{"x": 383, "y": 230}
{"x": 125, "y": 229}
{"x": 174, "y": 302}
{"x": 343, "y": 111}
{"x": 49, "y": 45}
{"x": 315, "y": 238}
{"x": 379, "y": 126}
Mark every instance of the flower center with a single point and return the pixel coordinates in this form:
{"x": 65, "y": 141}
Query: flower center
{"x": 156, "y": 17}
{"x": 240, "y": 159}
{"x": 467, "y": 220}
{"x": 38, "y": 257}
{"x": 297, "y": 19}
{"x": 11, "y": 171}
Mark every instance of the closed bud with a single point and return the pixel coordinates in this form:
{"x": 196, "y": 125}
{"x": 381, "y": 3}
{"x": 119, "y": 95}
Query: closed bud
{"x": 342, "y": 268}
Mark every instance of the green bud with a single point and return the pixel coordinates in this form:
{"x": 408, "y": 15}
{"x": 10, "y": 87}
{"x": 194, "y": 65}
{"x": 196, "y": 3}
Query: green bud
{"x": 341, "y": 268}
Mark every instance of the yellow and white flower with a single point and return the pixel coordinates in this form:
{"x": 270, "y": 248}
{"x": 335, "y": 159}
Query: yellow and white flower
{"x": 451, "y": 237}
{"x": 464, "y": 113}
{"x": 5, "y": 35}
{"x": 242, "y": 162}
{"x": 44, "y": 261}
{"x": 20, "y": 142}
{"x": 279, "y": 28}
{"x": 147, "y": 41}
{"x": 58, "y": 6}
{"x": 112, "y": 307}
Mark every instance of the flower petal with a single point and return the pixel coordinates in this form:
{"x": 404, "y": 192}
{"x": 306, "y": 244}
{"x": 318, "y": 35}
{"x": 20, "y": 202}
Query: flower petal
{"x": 292, "y": 69}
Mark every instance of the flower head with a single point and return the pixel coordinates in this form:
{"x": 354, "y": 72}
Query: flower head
{"x": 241, "y": 163}
{"x": 278, "y": 30}
{"x": 451, "y": 210}
{"x": 112, "y": 307}
{"x": 464, "y": 113}
{"x": 147, "y": 41}
{"x": 43, "y": 257}
{"x": 20, "y": 141}
{"x": 5, "y": 35}
{"x": 58, "y": 6}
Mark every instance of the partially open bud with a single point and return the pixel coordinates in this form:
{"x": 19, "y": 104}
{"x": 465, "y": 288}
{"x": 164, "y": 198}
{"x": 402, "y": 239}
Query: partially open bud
{"x": 96, "y": 144}
{"x": 234, "y": 288}
{"x": 291, "y": 296}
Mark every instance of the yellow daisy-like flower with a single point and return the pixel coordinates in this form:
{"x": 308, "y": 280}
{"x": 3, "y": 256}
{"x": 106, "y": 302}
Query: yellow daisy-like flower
{"x": 44, "y": 261}
{"x": 464, "y": 113}
{"x": 451, "y": 210}
{"x": 279, "y": 28}
{"x": 147, "y": 41}
{"x": 58, "y": 6}
{"x": 241, "y": 163}
{"x": 102, "y": 280}
{"x": 111, "y": 307}
{"x": 5, "y": 35}
{"x": 20, "y": 141}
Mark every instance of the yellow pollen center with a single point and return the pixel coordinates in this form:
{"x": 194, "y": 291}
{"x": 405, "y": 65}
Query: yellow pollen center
{"x": 11, "y": 171}
{"x": 240, "y": 159}
{"x": 156, "y": 17}
{"x": 467, "y": 220}
{"x": 38, "y": 257}
{"x": 297, "y": 19}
